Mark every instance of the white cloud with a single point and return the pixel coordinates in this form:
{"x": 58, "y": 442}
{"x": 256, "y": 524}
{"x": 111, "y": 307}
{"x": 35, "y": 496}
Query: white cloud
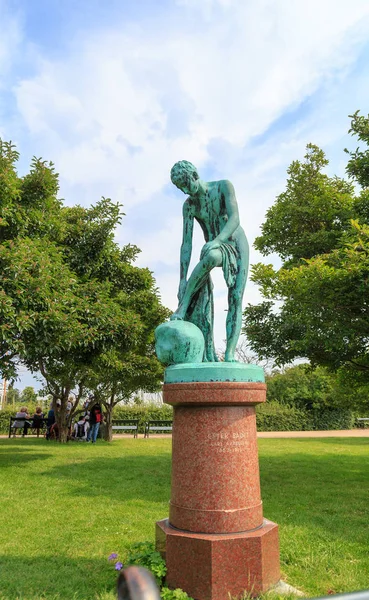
{"x": 127, "y": 102}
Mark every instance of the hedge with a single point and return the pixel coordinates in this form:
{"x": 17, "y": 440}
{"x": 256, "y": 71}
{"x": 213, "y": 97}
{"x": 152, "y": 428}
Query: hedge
{"x": 269, "y": 417}
{"x": 272, "y": 416}
{"x": 5, "y": 415}
{"x": 333, "y": 418}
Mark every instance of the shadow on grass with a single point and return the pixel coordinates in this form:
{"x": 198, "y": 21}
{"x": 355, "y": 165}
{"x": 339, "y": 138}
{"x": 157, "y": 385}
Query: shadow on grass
{"x": 55, "y": 577}
{"x": 20, "y": 458}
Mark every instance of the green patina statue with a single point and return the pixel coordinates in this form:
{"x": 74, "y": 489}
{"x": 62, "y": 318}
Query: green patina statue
{"x": 214, "y": 206}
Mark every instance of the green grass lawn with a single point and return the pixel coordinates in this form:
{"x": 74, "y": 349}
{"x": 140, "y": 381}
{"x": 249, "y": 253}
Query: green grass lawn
{"x": 64, "y": 509}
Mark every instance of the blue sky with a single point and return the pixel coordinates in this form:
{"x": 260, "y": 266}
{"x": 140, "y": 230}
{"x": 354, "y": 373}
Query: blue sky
{"x": 115, "y": 91}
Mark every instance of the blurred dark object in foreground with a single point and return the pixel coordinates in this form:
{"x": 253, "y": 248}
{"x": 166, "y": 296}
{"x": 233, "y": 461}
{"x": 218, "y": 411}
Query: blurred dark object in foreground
{"x": 137, "y": 583}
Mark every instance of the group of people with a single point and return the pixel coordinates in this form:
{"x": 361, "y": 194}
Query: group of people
{"x": 88, "y": 425}
{"x": 86, "y": 428}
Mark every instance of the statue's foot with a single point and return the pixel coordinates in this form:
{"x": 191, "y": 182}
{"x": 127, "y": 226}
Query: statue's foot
{"x": 230, "y": 358}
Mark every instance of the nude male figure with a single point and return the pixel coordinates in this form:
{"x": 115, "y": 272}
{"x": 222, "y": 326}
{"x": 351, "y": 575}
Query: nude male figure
{"x": 214, "y": 206}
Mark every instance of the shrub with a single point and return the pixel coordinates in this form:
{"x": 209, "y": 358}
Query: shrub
{"x": 333, "y": 418}
{"x": 273, "y": 416}
{"x": 5, "y": 415}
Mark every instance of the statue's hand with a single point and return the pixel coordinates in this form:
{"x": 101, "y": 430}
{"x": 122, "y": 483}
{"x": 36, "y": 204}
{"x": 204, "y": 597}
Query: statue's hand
{"x": 213, "y": 245}
{"x": 181, "y": 290}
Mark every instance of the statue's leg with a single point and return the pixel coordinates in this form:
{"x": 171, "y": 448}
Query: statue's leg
{"x": 198, "y": 277}
{"x": 234, "y": 317}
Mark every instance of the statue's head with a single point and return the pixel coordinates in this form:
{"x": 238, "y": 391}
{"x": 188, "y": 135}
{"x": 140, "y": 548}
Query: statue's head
{"x": 184, "y": 175}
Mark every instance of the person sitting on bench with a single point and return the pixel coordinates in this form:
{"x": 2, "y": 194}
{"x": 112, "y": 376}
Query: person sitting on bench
{"x": 22, "y": 423}
{"x": 37, "y": 420}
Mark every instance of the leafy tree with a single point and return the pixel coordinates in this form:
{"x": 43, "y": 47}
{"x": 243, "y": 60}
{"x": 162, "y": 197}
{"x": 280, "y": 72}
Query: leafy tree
{"x": 316, "y": 305}
{"x": 310, "y": 217}
{"x": 28, "y": 395}
{"x": 70, "y": 296}
{"x": 304, "y": 387}
{"x": 358, "y": 164}
{"x": 118, "y": 377}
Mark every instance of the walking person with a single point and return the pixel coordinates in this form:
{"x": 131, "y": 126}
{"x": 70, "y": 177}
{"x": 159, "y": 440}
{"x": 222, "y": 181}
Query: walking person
{"x": 96, "y": 417}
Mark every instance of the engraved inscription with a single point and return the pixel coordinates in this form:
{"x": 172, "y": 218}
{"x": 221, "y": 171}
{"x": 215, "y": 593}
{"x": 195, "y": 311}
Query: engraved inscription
{"x": 227, "y": 442}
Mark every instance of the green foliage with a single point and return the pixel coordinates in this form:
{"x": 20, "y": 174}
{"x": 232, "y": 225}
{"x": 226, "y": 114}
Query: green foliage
{"x": 305, "y": 399}
{"x": 12, "y": 396}
{"x": 324, "y": 311}
{"x": 273, "y": 416}
{"x": 316, "y": 305}
{"x": 28, "y": 396}
{"x": 5, "y": 415}
{"x": 72, "y": 303}
{"x": 331, "y": 418}
{"x": 177, "y": 594}
{"x": 25, "y": 202}
{"x": 307, "y": 388}
{"x": 311, "y": 215}
{"x": 358, "y": 165}
{"x": 145, "y": 555}
{"x": 10, "y": 218}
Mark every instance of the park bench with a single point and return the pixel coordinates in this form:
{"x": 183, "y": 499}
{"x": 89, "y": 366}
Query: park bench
{"x": 122, "y": 425}
{"x": 362, "y": 422}
{"x": 23, "y": 420}
{"x": 159, "y": 426}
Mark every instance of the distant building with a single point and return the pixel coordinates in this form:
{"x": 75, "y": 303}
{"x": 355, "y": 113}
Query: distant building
{"x": 150, "y": 398}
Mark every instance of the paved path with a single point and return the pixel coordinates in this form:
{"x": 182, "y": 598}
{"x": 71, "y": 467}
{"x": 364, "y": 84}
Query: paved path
{"x": 274, "y": 434}
{"x": 289, "y": 434}
{"x": 315, "y": 434}
{"x": 295, "y": 434}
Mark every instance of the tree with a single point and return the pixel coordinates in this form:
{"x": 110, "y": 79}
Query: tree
{"x": 358, "y": 165}
{"x": 316, "y": 305}
{"x": 28, "y": 395}
{"x": 310, "y": 217}
{"x": 306, "y": 388}
{"x": 69, "y": 296}
{"x": 118, "y": 377}
{"x": 12, "y": 396}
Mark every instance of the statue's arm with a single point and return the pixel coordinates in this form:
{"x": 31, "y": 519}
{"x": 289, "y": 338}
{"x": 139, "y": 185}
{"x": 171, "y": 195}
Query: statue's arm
{"x": 186, "y": 248}
{"x": 232, "y": 212}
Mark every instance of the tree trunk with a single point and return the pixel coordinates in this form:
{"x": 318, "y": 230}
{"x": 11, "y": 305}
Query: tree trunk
{"x": 63, "y": 433}
{"x": 108, "y": 434}
{"x": 60, "y": 415}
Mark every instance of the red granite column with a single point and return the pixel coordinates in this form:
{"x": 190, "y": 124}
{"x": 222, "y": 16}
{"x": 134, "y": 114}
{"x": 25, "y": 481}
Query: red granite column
{"x": 216, "y": 540}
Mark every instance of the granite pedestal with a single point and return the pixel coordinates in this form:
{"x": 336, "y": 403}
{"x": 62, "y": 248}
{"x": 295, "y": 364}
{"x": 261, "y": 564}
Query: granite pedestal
{"x": 216, "y": 541}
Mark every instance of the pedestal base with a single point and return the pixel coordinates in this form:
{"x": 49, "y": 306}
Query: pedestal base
{"x": 212, "y": 566}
